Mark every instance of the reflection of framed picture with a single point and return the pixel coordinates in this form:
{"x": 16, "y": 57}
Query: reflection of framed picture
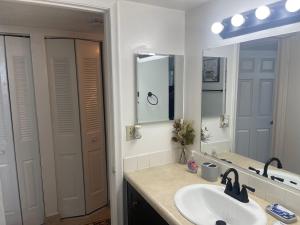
{"x": 211, "y": 69}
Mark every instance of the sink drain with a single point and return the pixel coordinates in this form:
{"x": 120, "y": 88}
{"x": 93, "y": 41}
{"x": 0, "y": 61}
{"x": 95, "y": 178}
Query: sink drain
{"x": 220, "y": 222}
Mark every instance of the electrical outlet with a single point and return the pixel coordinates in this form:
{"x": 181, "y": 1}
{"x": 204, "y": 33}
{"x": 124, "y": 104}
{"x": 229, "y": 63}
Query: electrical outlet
{"x": 129, "y": 133}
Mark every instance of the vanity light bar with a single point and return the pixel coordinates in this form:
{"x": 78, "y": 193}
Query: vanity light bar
{"x": 264, "y": 17}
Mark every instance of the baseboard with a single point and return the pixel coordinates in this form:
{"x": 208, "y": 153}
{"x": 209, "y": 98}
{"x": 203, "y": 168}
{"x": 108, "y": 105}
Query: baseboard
{"x": 52, "y": 219}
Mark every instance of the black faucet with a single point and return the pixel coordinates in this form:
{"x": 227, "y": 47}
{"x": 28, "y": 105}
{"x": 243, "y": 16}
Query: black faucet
{"x": 234, "y": 190}
{"x": 279, "y": 165}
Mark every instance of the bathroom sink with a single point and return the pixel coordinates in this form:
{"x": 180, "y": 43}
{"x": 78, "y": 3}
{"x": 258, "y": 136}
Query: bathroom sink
{"x": 207, "y": 204}
{"x": 289, "y": 178}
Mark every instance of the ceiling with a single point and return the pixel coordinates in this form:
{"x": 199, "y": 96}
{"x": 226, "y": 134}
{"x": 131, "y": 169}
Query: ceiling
{"x": 174, "y": 4}
{"x": 21, "y": 14}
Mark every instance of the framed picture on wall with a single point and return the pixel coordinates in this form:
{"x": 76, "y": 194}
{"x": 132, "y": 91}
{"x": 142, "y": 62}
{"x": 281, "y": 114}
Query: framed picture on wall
{"x": 211, "y": 69}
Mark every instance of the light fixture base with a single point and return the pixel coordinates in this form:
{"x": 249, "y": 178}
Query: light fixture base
{"x": 279, "y": 17}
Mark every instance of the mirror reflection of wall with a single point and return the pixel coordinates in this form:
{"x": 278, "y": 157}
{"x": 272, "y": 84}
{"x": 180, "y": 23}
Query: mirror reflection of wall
{"x": 265, "y": 115}
{"x": 159, "y": 87}
{"x": 218, "y": 67}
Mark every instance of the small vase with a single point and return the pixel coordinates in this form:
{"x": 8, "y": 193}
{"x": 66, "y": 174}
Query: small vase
{"x": 182, "y": 159}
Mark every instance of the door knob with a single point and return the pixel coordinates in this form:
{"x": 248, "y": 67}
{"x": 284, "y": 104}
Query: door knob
{"x": 272, "y": 122}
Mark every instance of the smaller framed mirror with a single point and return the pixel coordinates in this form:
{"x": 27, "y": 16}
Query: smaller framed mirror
{"x": 159, "y": 87}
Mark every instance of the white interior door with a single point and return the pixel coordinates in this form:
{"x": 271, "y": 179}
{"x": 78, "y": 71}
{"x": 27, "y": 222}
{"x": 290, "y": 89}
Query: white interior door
{"x": 21, "y": 89}
{"x": 92, "y": 123}
{"x": 255, "y": 103}
{"x": 66, "y": 125}
{"x": 8, "y": 173}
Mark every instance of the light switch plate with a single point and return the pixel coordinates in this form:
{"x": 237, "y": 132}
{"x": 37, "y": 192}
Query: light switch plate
{"x": 129, "y": 133}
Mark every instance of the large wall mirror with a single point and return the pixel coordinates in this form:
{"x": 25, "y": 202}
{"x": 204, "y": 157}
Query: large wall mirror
{"x": 159, "y": 87}
{"x": 261, "y": 108}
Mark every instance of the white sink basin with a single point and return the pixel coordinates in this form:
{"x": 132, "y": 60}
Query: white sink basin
{"x": 289, "y": 178}
{"x": 206, "y": 204}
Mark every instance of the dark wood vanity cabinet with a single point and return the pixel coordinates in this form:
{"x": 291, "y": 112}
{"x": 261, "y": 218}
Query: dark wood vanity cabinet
{"x": 139, "y": 212}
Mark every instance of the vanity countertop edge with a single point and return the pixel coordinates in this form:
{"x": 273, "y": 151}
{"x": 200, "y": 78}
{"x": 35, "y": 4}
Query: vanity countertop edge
{"x": 158, "y": 185}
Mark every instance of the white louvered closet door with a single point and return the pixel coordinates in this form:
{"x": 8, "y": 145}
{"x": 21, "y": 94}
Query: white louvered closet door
{"x": 8, "y": 173}
{"x": 21, "y": 89}
{"x": 66, "y": 125}
{"x": 92, "y": 123}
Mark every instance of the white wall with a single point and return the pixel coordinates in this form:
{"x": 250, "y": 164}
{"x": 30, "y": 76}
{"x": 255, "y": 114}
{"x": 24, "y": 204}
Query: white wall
{"x": 200, "y": 37}
{"x": 162, "y": 31}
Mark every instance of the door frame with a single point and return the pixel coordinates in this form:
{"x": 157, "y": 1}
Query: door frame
{"x": 111, "y": 90}
{"x": 281, "y": 95}
{"x": 235, "y": 97}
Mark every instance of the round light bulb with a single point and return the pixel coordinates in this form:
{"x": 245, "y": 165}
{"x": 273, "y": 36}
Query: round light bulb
{"x": 237, "y": 20}
{"x": 262, "y": 12}
{"x": 217, "y": 28}
{"x": 292, "y": 5}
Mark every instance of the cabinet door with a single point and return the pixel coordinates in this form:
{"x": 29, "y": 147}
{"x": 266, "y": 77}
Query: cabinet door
{"x": 21, "y": 89}
{"x": 139, "y": 210}
{"x": 8, "y": 173}
{"x": 92, "y": 123}
{"x": 66, "y": 125}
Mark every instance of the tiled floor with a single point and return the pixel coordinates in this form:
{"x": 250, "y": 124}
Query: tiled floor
{"x": 100, "y": 217}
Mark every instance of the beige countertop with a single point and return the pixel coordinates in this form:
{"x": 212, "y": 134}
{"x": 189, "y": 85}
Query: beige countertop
{"x": 158, "y": 186}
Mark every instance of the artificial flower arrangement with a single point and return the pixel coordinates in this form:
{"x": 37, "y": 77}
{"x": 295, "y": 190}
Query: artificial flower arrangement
{"x": 183, "y": 134}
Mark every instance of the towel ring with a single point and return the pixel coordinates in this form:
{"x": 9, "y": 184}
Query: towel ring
{"x": 151, "y": 97}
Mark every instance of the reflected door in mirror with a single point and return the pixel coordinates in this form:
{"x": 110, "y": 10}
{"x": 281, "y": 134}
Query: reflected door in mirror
{"x": 255, "y": 102}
